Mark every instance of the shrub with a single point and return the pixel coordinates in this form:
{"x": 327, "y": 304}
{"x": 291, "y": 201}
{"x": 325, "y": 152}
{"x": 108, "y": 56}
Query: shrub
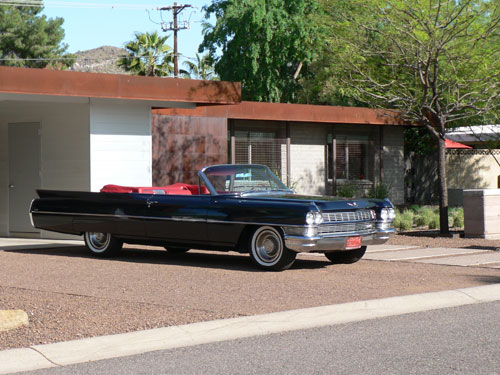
{"x": 379, "y": 191}
{"x": 406, "y": 224}
{"x": 423, "y": 216}
{"x": 347, "y": 191}
{"x": 434, "y": 223}
{"x": 457, "y": 216}
{"x": 406, "y": 220}
{"x": 397, "y": 220}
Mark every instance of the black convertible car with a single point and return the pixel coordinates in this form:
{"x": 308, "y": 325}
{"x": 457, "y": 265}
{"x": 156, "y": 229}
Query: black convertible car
{"x": 245, "y": 208}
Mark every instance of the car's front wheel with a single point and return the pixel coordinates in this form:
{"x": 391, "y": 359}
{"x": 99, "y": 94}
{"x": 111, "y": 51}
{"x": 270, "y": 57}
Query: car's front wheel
{"x": 268, "y": 251}
{"x": 102, "y": 244}
{"x": 346, "y": 256}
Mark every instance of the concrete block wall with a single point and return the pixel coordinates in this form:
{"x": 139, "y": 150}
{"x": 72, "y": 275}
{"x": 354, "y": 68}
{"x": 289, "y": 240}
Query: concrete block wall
{"x": 482, "y": 213}
{"x": 393, "y": 162}
{"x": 307, "y": 158}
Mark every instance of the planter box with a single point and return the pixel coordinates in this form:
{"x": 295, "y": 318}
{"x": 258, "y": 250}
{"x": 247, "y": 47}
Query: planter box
{"x": 482, "y": 213}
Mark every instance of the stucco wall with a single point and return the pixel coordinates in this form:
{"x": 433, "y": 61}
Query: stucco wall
{"x": 4, "y": 174}
{"x": 64, "y": 146}
{"x": 475, "y": 169}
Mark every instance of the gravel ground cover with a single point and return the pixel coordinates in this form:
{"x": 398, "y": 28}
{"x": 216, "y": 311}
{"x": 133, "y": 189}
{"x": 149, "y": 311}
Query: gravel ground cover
{"x": 70, "y": 295}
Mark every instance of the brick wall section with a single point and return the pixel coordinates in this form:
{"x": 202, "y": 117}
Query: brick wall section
{"x": 393, "y": 159}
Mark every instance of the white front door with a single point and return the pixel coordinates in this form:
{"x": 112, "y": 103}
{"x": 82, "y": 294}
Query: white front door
{"x": 24, "y": 174}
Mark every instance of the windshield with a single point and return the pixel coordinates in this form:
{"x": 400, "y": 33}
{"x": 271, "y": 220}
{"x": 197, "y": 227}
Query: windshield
{"x": 242, "y": 179}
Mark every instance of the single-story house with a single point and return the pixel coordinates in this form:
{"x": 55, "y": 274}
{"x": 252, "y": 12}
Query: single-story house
{"x": 314, "y": 149}
{"x": 79, "y": 131}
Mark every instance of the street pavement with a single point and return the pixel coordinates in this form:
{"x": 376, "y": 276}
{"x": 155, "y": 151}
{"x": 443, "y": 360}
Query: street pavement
{"x": 458, "y": 340}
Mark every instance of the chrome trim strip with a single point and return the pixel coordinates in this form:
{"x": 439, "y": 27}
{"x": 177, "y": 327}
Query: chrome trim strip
{"x": 210, "y": 221}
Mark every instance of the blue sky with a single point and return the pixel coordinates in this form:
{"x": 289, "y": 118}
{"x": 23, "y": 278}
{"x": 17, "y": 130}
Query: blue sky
{"x": 96, "y": 23}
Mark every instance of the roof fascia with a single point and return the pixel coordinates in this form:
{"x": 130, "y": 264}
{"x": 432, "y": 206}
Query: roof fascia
{"x": 291, "y": 113}
{"x": 116, "y": 86}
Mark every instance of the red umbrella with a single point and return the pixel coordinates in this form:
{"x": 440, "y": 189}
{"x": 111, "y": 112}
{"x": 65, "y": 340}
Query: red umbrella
{"x": 453, "y": 144}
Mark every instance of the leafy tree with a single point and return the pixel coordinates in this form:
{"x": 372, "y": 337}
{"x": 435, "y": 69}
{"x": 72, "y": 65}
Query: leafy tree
{"x": 436, "y": 61}
{"x": 29, "y": 39}
{"x": 202, "y": 69}
{"x": 265, "y": 44}
{"x": 148, "y": 56}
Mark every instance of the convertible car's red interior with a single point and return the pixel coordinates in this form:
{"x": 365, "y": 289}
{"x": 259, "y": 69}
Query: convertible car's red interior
{"x": 175, "y": 189}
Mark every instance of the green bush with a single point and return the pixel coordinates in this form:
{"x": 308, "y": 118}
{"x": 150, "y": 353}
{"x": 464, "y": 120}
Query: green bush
{"x": 347, "y": 191}
{"x": 434, "y": 223}
{"x": 379, "y": 191}
{"x": 427, "y": 216}
{"x": 406, "y": 224}
{"x": 397, "y": 220}
{"x": 423, "y": 216}
{"x": 457, "y": 217}
{"x": 406, "y": 220}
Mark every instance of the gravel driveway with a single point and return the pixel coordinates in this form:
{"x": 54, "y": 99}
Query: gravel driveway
{"x": 68, "y": 294}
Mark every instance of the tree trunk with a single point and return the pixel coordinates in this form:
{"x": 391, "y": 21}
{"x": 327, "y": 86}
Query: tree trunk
{"x": 443, "y": 187}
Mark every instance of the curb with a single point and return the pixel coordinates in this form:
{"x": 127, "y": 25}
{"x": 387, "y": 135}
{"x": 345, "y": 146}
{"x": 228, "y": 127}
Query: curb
{"x": 114, "y": 346}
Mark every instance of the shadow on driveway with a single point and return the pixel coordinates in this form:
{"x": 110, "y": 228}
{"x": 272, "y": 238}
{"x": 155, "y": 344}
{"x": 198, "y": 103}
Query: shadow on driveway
{"x": 194, "y": 258}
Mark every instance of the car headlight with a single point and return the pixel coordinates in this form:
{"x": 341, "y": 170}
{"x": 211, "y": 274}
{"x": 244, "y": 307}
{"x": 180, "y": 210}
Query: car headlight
{"x": 314, "y": 218}
{"x": 387, "y": 214}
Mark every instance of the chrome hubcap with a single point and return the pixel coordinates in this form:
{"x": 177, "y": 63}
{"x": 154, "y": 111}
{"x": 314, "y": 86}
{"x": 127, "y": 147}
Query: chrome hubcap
{"x": 99, "y": 241}
{"x": 268, "y": 247}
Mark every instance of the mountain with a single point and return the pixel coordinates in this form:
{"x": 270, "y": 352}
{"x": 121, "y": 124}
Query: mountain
{"x": 100, "y": 60}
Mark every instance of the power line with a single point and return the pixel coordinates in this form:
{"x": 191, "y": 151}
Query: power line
{"x": 174, "y": 26}
{"x": 71, "y": 4}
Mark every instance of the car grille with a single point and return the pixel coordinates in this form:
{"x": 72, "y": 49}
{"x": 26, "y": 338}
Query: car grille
{"x": 343, "y": 216}
{"x": 359, "y": 228}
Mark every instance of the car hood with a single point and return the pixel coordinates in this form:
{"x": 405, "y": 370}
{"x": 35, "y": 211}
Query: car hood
{"x": 326, "y": 203}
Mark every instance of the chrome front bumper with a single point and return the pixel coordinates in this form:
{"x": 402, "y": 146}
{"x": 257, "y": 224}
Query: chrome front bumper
{"x": 327, "y": 243}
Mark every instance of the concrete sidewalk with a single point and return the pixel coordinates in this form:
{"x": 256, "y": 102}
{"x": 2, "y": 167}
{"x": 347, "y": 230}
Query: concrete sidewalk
{"x": 9, "y": 243}
{"x": 113, "y": 346}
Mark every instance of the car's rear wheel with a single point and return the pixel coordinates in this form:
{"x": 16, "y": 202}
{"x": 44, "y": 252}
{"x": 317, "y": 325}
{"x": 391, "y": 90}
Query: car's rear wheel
{"x": 102, "y": 244}
{"x": 346, "y": 256}
{"x": 268, "y": 251}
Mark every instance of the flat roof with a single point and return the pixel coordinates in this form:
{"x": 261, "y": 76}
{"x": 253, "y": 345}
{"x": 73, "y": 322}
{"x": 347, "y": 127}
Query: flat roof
{"x": 116, "y": 86}
{"x": 290, "y": 112}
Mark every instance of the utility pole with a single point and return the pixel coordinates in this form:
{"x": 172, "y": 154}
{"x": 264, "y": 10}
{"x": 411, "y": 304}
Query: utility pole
{"x": 176, "y": 9}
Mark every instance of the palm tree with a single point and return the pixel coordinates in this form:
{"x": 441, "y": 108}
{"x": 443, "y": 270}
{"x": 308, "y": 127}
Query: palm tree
{"x": 148, "y": 56}
{"x": 202, "y": 69}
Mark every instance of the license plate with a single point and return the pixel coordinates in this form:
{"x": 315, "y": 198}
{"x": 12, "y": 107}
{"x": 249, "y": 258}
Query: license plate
{"x": 353, "y": 242}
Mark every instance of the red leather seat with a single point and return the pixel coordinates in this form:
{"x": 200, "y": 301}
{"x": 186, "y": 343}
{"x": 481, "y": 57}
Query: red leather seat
{"x": 119, "y": 189}
{"x": 174, "y": 189}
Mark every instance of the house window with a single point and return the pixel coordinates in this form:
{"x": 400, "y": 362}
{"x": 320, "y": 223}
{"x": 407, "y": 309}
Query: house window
{"x": 261, "y": 148}
{"x": 351, "y": 158}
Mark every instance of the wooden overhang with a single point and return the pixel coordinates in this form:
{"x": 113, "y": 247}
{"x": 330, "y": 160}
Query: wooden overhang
{"x": 116, "y": 86}
{"x": 291, "y": 113}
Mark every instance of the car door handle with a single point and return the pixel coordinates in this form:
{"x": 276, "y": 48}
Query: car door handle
{"x": 11, "y": 186}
